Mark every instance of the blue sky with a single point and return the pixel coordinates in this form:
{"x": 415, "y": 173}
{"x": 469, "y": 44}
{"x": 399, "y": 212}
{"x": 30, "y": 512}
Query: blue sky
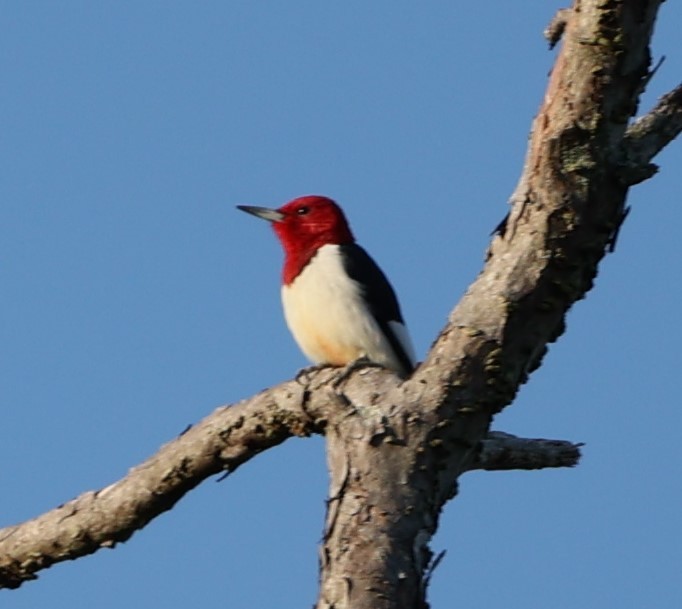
{"x": 136, "y": 299}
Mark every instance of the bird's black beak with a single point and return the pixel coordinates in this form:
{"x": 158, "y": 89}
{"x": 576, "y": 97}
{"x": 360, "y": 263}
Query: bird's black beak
{"x": 265, "y": 213}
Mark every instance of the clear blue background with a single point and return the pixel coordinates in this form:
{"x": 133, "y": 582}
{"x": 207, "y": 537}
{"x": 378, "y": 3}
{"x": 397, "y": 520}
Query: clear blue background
{"x": 135, "y": 298}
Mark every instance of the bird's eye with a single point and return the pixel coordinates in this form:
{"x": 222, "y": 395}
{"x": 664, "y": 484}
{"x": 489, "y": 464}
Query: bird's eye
{"x": 302, "y": 211}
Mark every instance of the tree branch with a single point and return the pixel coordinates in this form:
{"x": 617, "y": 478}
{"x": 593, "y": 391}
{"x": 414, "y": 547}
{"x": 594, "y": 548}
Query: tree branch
{"x": 96, "y": 519}
{"x": 556, "y": 27}
{"x": 649, "y": 134}
{"x": 502, "y": 452}
{"x": 221, "y": 442}
{"x": 566, "y": 209}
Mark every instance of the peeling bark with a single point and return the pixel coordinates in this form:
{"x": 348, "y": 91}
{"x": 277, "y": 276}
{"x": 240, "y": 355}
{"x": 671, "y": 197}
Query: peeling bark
{"x": 396, "y": 450}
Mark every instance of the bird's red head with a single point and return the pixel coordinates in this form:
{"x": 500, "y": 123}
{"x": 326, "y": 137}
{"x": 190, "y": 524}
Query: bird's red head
{"x": 310, "y": 222}
{"x": 304, "y": 225}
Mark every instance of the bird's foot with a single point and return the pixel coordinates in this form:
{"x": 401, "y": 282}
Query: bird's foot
{"x": 302, "y": 375}
{"x": 348, "y": 369}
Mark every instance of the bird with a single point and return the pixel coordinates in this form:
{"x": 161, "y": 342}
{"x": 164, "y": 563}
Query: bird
{"x": 338, "y": 304}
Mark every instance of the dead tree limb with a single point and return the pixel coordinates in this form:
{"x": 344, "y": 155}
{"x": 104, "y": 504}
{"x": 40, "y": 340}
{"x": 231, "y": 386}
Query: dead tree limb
{"x": 503, "y": 452}
{"x": 220, "y": 443}
{"x": 565, "y": 212}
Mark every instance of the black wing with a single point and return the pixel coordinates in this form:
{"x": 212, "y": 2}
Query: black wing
{"x": 378, "y": 293}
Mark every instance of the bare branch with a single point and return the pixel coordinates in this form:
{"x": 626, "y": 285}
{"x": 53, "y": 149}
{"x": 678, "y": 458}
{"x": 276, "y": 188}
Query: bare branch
{"x": 100, "y": 519}
{"x": 567, "y": 205}
{"x": 649, "y": 134}
{"x": 503, "y": 451}
{"x": 556, "y": 27}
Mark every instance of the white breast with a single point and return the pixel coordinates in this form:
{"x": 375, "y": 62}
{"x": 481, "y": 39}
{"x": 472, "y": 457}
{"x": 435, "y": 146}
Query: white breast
{"x": 329, "y": 319}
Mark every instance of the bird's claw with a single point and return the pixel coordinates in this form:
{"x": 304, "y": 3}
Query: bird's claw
{"x": 303, "y": 373}
{"x": 348, "y": 370}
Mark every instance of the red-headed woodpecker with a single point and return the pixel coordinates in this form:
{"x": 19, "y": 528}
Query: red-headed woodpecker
{"x": 338, "y": 304}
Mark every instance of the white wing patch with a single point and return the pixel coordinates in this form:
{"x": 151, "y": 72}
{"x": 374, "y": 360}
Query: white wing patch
{"x": 404, "y": 339}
